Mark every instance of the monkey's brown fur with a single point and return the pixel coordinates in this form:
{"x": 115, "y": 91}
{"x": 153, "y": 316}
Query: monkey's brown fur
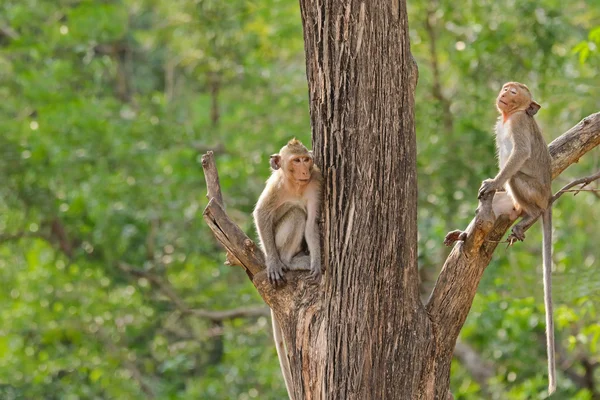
{"x": 525, "y": 173}
{"x": 286, "y": 213}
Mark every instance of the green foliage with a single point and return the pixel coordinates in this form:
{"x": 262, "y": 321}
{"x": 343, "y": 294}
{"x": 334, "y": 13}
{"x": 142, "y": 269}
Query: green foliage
{"x": 588, "y": 47}
{"x": 107, "y": 108}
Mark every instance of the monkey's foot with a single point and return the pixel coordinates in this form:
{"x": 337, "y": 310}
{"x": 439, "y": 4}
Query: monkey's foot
{"x": 275, "y": 274}
{"x": 315, "y": 276}
{"x": 517, "y": 235}
{"x": 454, "y": 236}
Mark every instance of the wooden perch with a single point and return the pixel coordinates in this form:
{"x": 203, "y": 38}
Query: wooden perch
{"x": 234, "y": 239}
{"x": 457, "y": 283}
{"x": 240, "y": 249}
{"x": 212, "y": 178}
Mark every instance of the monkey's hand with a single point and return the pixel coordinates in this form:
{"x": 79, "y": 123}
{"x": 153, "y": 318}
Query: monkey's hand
{"x": 454, "y": 236}
{"x": 275, "y": 272}
{"x": 487, "y": 186}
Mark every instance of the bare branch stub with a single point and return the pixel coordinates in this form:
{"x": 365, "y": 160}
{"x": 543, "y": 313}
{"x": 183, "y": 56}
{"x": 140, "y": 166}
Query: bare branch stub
{"x": 212, "y": 178}
{"x": 234, "y": 239}
{"x": 228, "y": 233}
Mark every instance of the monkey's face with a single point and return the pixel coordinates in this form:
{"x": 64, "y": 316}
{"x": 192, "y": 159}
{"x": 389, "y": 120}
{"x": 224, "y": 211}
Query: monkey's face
{"x": 511, "y": 97}
{"x": 298, "y": 167}
{"x": 515, "y": 97}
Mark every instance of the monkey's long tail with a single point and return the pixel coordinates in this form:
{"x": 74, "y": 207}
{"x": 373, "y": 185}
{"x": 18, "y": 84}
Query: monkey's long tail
{"x": 547, "y": 260}
{"x": 284, "y": 363}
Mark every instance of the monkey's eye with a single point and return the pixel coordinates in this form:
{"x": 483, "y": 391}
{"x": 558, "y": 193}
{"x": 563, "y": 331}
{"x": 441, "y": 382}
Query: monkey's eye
{"x": 513, "y": 91}
{"x": 296, "y": 161}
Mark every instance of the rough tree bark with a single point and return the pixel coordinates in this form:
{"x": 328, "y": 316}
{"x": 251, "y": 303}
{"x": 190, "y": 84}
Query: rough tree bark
{"x": 363, "y": 333}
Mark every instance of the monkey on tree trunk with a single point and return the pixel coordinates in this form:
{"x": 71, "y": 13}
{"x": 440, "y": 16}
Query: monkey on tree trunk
{"x": 525, "y": 173}
{"x": 286, "y": 220}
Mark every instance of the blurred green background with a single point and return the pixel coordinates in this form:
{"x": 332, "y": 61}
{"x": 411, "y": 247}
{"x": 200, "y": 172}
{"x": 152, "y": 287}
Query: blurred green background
{"x": 106, "y": 108}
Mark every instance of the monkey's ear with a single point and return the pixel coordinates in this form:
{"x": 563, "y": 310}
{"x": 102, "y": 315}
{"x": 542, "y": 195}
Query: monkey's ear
{"x": 533, "y": 108}
{"x": 275, "y": 161}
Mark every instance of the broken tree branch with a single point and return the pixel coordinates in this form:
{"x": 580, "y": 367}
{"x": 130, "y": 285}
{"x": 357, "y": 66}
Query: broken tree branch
{"x": 213, "y": 187}
{"x": 234, "y": 239}
{"x": 212, "y": 178}
{"x": 453, "y": 294}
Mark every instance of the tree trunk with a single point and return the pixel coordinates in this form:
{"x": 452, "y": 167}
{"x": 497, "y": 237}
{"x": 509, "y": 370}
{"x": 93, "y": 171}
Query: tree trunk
{"x": 363, "y": 333}
{"x": 361, "y": 79}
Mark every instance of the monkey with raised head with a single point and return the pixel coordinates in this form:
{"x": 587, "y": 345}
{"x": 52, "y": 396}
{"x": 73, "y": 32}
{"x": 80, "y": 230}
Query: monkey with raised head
{"x": 286, "y": 219}
{"x": 526, "y": 174}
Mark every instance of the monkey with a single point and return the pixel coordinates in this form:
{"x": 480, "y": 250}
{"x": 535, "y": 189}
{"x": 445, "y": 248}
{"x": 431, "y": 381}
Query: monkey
{"x": 286, "y": 218}
{"x": 526, "y": 175}
{"x": 287, "y": 211}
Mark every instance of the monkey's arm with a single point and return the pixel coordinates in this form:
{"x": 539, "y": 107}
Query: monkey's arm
{"x": 263, "y": 218}
{"x": 521, "y": 151}
{"x": 266, "y": 232}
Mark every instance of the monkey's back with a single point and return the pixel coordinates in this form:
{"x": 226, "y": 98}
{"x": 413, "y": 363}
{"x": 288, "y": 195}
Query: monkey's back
{"x": 539, "y": 164}
{"x": 532, "y": 184}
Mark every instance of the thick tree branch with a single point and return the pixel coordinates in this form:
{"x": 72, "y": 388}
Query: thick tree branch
{"x": 457, "y": 283}
{"x": 570, "y": 146}
{"x": 229, "y": 234}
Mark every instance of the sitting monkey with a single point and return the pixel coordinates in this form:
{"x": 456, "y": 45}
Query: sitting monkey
{"x": 286, "y": 213}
